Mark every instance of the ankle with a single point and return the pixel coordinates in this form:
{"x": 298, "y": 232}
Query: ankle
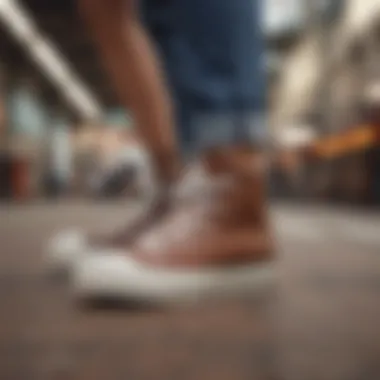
{"x": 245, "y": 200}
{"x": 239, "y": 161}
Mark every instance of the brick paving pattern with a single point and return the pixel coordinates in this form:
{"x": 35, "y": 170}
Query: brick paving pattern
{"x": 321, "y": 323}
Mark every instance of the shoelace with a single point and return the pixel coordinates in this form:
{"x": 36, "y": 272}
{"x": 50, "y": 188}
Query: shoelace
{"x": 193, "y": 181}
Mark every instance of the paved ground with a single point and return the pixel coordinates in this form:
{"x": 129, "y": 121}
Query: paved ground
{"x": 322, "y": 323}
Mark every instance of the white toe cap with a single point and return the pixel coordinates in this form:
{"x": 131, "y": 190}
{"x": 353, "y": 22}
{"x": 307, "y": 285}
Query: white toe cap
{"x": 104, "y": 273}
{"x": 65, "y": 247}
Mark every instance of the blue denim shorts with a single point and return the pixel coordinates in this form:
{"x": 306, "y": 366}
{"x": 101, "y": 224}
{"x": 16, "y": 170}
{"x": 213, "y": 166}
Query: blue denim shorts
{"x": 213, "y": 53}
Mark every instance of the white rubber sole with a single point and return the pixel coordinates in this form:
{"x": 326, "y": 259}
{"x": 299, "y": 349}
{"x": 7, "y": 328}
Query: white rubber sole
{"x": 117, "y": 277}
{"x": 64, "y": 250}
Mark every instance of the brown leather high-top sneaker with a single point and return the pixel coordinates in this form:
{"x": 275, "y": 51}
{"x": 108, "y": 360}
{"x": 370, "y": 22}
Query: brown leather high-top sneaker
{"x": 220, "y": 243}
{"x": 67, "y": 247}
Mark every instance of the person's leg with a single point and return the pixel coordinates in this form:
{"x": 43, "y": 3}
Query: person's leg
{"x": 131, "y": 62}
{"x": 213, "y": 54}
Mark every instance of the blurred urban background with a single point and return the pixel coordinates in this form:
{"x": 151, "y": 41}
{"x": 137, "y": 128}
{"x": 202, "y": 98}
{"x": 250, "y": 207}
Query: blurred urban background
{"x": 62, "y": 128}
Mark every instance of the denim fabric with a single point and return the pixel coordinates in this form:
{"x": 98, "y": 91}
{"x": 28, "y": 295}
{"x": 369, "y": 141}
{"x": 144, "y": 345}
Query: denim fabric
{"x": 213, "y": 55}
